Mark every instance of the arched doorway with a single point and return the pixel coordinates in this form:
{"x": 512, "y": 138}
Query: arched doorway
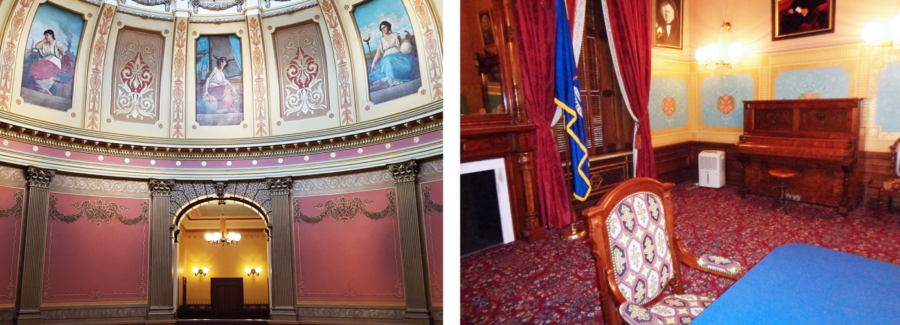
{"x": 227, "y": 278}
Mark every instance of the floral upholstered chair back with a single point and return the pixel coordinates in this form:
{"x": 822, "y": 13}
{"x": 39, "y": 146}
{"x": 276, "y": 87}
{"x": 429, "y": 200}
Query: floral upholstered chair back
{"x": 639, "y": 246}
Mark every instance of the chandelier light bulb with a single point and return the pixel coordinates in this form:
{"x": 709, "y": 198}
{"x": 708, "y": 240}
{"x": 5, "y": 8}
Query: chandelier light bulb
{"x": 196, "y": 270}
{"x": 233, "y": 236}
{"x": 735, "y": 50}
{"x": 247, "y": 270}
{"x": 259, "y": 270}
{"x": 205, "y": 270}
{"x": 873, "y": 31}
{"x": 700, "y": 55}
{"x": 894, "y": 27}
{"x": 712, "y": 52}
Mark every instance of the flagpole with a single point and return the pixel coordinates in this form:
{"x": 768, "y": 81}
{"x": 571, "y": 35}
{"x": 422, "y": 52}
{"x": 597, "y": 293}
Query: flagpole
{"x": 572, "y": 231}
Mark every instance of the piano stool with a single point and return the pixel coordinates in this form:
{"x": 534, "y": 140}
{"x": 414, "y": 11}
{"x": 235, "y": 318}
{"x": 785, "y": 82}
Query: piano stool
{"x": 784, "y": 174}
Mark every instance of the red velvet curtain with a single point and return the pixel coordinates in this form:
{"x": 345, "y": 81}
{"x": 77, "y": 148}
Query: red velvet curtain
{"x": 630, "y": 28}
{"x": 536, "y": 21}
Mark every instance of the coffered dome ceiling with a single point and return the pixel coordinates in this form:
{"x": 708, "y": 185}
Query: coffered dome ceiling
{"x": 219, "y": 80}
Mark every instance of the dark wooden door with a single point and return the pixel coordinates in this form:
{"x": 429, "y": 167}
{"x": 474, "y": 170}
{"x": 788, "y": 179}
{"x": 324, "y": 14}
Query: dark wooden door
{"x": 227, "y": 297}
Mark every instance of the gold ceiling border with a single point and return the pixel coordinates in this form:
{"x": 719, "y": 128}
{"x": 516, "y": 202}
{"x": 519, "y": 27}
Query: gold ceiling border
{"x": 383, "y": 135}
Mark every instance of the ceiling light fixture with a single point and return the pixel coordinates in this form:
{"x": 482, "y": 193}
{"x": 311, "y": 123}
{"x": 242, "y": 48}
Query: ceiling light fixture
{"x": 713, "y": 58}
{"x": 223, "y": 237}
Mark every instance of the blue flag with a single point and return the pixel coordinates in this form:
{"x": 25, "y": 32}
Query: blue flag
{"x": 568, "y": 97}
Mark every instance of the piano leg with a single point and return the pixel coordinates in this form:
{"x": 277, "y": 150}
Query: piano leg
{"x": 744, "y": 188}
{"x": 846, "y": 201}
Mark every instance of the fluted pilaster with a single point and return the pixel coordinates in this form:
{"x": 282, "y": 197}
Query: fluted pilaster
{"x": 284, "y": 283}
{"x": 30, "y": 285}
{"x": 161, "y": 277}
{"x": 415, "y": 276}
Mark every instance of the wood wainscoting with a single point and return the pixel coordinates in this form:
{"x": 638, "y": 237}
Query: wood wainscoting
{"x": 676, "y": 163}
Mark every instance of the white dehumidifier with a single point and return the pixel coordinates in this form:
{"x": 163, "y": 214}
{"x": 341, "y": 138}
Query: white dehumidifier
{"x": 712, "y": 168}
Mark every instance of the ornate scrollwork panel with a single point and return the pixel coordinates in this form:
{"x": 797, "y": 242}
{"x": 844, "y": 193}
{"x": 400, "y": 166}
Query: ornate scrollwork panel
{"x": 99, "y": 212}
{"x": 344, "y": 208}
{"x": 429, "y": 205}
{"x": 16, "y": 209}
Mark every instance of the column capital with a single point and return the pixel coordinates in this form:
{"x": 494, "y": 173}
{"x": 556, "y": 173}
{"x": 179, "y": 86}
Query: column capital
{"x": 404, "y": 172}
{"x": 161, "y": 187}
{"x": 38, "y": 177}
{"x": 280, "y": 186}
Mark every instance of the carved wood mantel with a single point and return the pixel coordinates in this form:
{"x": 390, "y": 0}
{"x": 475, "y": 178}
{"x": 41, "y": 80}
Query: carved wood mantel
{"x": 514, "y": 144}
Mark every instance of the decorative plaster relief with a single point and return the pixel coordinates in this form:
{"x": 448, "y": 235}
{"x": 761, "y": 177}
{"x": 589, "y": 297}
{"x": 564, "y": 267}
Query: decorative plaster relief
{"x": 10, "y": 238}
{"x": 338, "y": 43}
{"x": 433, "y": 48}
{"x": 343, "y": 184}
{"x": 363, "y": 264}
{"x": 138, "y": 69}
{"x": 813, "y": 83}
{"x": 722, "y": 100}
{"x": 259, "y": 77}
{"x": 98, "y": 55}
{"x": 89, "y": 233}
{"x": 178, "y": 73}
{"x": 343, "y": 209}
{"x": 12, "y": 177}
{"x": 302, "y": 72}
{"x": 668, "y": 103}
{"x": 98, "y": 186}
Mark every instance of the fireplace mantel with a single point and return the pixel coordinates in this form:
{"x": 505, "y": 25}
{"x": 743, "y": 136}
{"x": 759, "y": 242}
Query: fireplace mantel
{"x": 514, "y": 144}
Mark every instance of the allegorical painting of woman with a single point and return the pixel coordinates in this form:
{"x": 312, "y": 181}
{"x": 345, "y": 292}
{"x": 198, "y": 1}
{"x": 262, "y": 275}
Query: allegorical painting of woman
{"x": 50, "y": 55}
{"x": 219, "y": 80}
{"x": 392, "y": 61}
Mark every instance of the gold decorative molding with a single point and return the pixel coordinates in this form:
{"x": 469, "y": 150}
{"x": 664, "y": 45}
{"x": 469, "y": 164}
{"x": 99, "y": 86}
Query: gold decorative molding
{"x": 380, "y": 135}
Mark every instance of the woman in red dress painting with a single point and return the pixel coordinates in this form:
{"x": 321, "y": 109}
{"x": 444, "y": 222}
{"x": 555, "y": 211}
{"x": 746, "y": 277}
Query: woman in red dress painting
{"x": 53, "y": 60}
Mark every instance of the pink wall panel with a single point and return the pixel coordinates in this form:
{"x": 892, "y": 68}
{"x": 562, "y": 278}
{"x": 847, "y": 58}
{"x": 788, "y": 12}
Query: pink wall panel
{"x": 434, "y": 236}
{"x": 96, "y": 257}
{"x": 343, "y": 260}
{"x": 11, "y": 202}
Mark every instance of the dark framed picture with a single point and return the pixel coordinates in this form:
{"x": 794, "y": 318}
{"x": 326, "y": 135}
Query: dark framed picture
{"x": 667, "y": 23}
{"x": 487, "y": 30}
{"x": 799, "y": 18}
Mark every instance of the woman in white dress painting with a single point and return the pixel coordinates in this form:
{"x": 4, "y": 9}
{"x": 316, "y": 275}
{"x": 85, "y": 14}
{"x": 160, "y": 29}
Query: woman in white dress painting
{"x": 219, "y": 90}
{"x": 390, "y": 66}
{"x": 53, "y": 60}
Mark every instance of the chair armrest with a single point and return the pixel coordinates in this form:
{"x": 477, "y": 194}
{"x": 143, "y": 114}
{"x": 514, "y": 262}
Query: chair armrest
{"x": 694, "y": 262}
{"x": 613, "y": 286}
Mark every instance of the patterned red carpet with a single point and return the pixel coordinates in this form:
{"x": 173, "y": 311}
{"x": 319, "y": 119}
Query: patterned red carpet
{"x": 554, "y": 281}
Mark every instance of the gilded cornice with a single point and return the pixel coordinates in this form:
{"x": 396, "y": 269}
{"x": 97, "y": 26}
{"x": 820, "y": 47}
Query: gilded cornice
{"x": 291, "y": 9}
{"x": 365, "y": 138}
{"x": 144, "y": 14}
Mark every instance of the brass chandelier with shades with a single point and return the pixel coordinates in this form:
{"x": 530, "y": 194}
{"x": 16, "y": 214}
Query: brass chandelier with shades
{"x": 222, "y": 236}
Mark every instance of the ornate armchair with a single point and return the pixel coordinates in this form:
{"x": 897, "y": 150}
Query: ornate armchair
{"x": 637, "y": 251}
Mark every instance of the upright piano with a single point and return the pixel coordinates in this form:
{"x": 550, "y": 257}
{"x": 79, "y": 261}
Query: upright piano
{"x": 816, "y": 137}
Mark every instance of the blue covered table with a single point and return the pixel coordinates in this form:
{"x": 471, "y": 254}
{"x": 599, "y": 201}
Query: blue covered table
{"x": 804, "y": 284}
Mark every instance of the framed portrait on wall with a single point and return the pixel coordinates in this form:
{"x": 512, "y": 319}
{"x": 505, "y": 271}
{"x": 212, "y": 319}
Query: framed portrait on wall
{"x": 667, "y": 23}
{"x": 487, "y": 30}
{"x": 799, "y": 18}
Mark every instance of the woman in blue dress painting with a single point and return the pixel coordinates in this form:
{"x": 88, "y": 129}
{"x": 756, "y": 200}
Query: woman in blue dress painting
{"x": 390, "y": 66}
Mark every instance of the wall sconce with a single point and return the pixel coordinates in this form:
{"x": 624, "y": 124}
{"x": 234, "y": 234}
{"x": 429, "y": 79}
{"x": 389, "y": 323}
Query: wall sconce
{"x": 198, "y": 271}
{"x": 256, "y": 271}
{"x": 874, "y": 35}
